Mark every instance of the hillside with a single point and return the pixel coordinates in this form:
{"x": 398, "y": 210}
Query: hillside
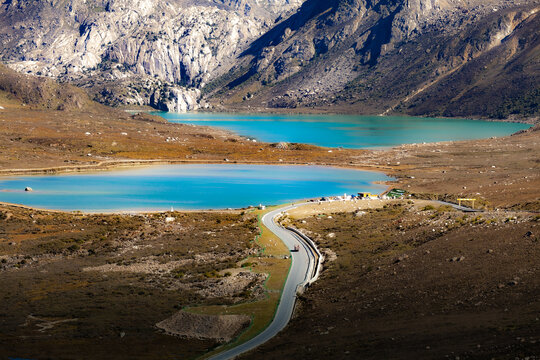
{"x": 39, "y": 92}
{"x": 441, "y": 58}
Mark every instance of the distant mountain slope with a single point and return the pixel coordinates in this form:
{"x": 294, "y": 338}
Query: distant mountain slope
{"x": 39, "y": 92}
{"x": 62, "y": 102}
{"x": 421, "y": 57}
{"x": 500, "y": 82}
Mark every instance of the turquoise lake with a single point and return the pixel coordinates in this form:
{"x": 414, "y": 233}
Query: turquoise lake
{"x": 186, "y": 187}
{"x": 236, "y": 186}
{"x": 347, "y": 131}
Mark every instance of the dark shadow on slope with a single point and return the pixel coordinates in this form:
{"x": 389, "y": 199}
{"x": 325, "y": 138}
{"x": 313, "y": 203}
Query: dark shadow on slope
{"x": 252, "y": 71}
{"x": 381, "y": 34}
{"x": 309, "y": 10}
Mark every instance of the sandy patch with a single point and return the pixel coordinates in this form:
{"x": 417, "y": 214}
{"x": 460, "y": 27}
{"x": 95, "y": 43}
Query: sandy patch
{"x": 45, "y": 324}
{"x": 327, "y": 207}
{"x": 222, "y": 328}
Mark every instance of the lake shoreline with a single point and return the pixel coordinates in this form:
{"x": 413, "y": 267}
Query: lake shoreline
{"x": 345, "y": 131}
{"x": 131, "y": 164}
{"x": 121, "y": 212}
{"x": 319, "y": 111}
{"x": 394, "y": 169}
{"x": 226, "y": 187}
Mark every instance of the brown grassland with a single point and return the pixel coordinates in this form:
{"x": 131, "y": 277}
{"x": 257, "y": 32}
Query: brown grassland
{"x": 94, "y": 286}
{"x": 418, "y": 282}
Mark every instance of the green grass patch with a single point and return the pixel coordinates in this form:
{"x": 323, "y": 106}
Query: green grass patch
{"x": 262, "y": 311}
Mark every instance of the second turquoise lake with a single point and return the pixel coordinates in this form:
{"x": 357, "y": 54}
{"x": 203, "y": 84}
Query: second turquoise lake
{"x": 348, "y": 131}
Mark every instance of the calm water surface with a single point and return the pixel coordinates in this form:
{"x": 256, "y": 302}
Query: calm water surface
{"x": 347, "y": 131}
{"x": 186, "y": 187}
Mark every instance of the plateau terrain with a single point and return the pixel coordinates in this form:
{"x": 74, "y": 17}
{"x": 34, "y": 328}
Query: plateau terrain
{"x": 402, "y": 278}
{"x": 413, "y": 277}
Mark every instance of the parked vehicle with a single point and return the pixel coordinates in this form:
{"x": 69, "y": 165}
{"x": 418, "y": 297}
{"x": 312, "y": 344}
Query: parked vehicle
{"x": 296, "y": 248}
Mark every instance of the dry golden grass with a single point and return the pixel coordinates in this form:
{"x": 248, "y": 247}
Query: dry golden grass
{"x": 43, "y": 138}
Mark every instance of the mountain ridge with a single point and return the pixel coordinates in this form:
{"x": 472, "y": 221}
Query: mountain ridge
{"x": 367, "y": 46}
{"x": 143, "y": 52}
{"x": 450, "y": 58}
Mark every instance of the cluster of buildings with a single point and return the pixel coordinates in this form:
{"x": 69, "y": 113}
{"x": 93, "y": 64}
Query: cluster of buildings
{"x": 392, "y": 194}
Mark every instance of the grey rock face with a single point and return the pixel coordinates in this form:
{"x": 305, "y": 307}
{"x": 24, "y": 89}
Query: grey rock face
{"x": 176, "y": 99}
{"x": 179, "y": 42}
{"x": 372, "y": 27}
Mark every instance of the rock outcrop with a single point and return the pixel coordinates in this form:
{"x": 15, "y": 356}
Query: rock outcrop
{"x": 176, "y": 99}
{"x": 100, "y": 44}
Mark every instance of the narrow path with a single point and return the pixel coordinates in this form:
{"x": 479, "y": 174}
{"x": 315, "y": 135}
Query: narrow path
{"x": 300, "y": 274}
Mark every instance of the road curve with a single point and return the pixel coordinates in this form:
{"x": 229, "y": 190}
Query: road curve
{"x": 299, "y": 276}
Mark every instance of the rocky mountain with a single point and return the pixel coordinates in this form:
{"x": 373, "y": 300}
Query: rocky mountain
{"x": 421, "y": 57}
{"x": 134, "y": 52}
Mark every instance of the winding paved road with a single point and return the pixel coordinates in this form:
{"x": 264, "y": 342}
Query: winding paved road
{"x": 299, "y": 275}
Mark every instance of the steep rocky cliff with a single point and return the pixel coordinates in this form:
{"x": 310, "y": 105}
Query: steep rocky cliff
{"x": 129, "y": 51}
{"x": 390, "y": 56}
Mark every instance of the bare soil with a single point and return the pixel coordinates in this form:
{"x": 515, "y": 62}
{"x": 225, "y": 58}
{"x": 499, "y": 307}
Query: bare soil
{"x": 222, "y": 328}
